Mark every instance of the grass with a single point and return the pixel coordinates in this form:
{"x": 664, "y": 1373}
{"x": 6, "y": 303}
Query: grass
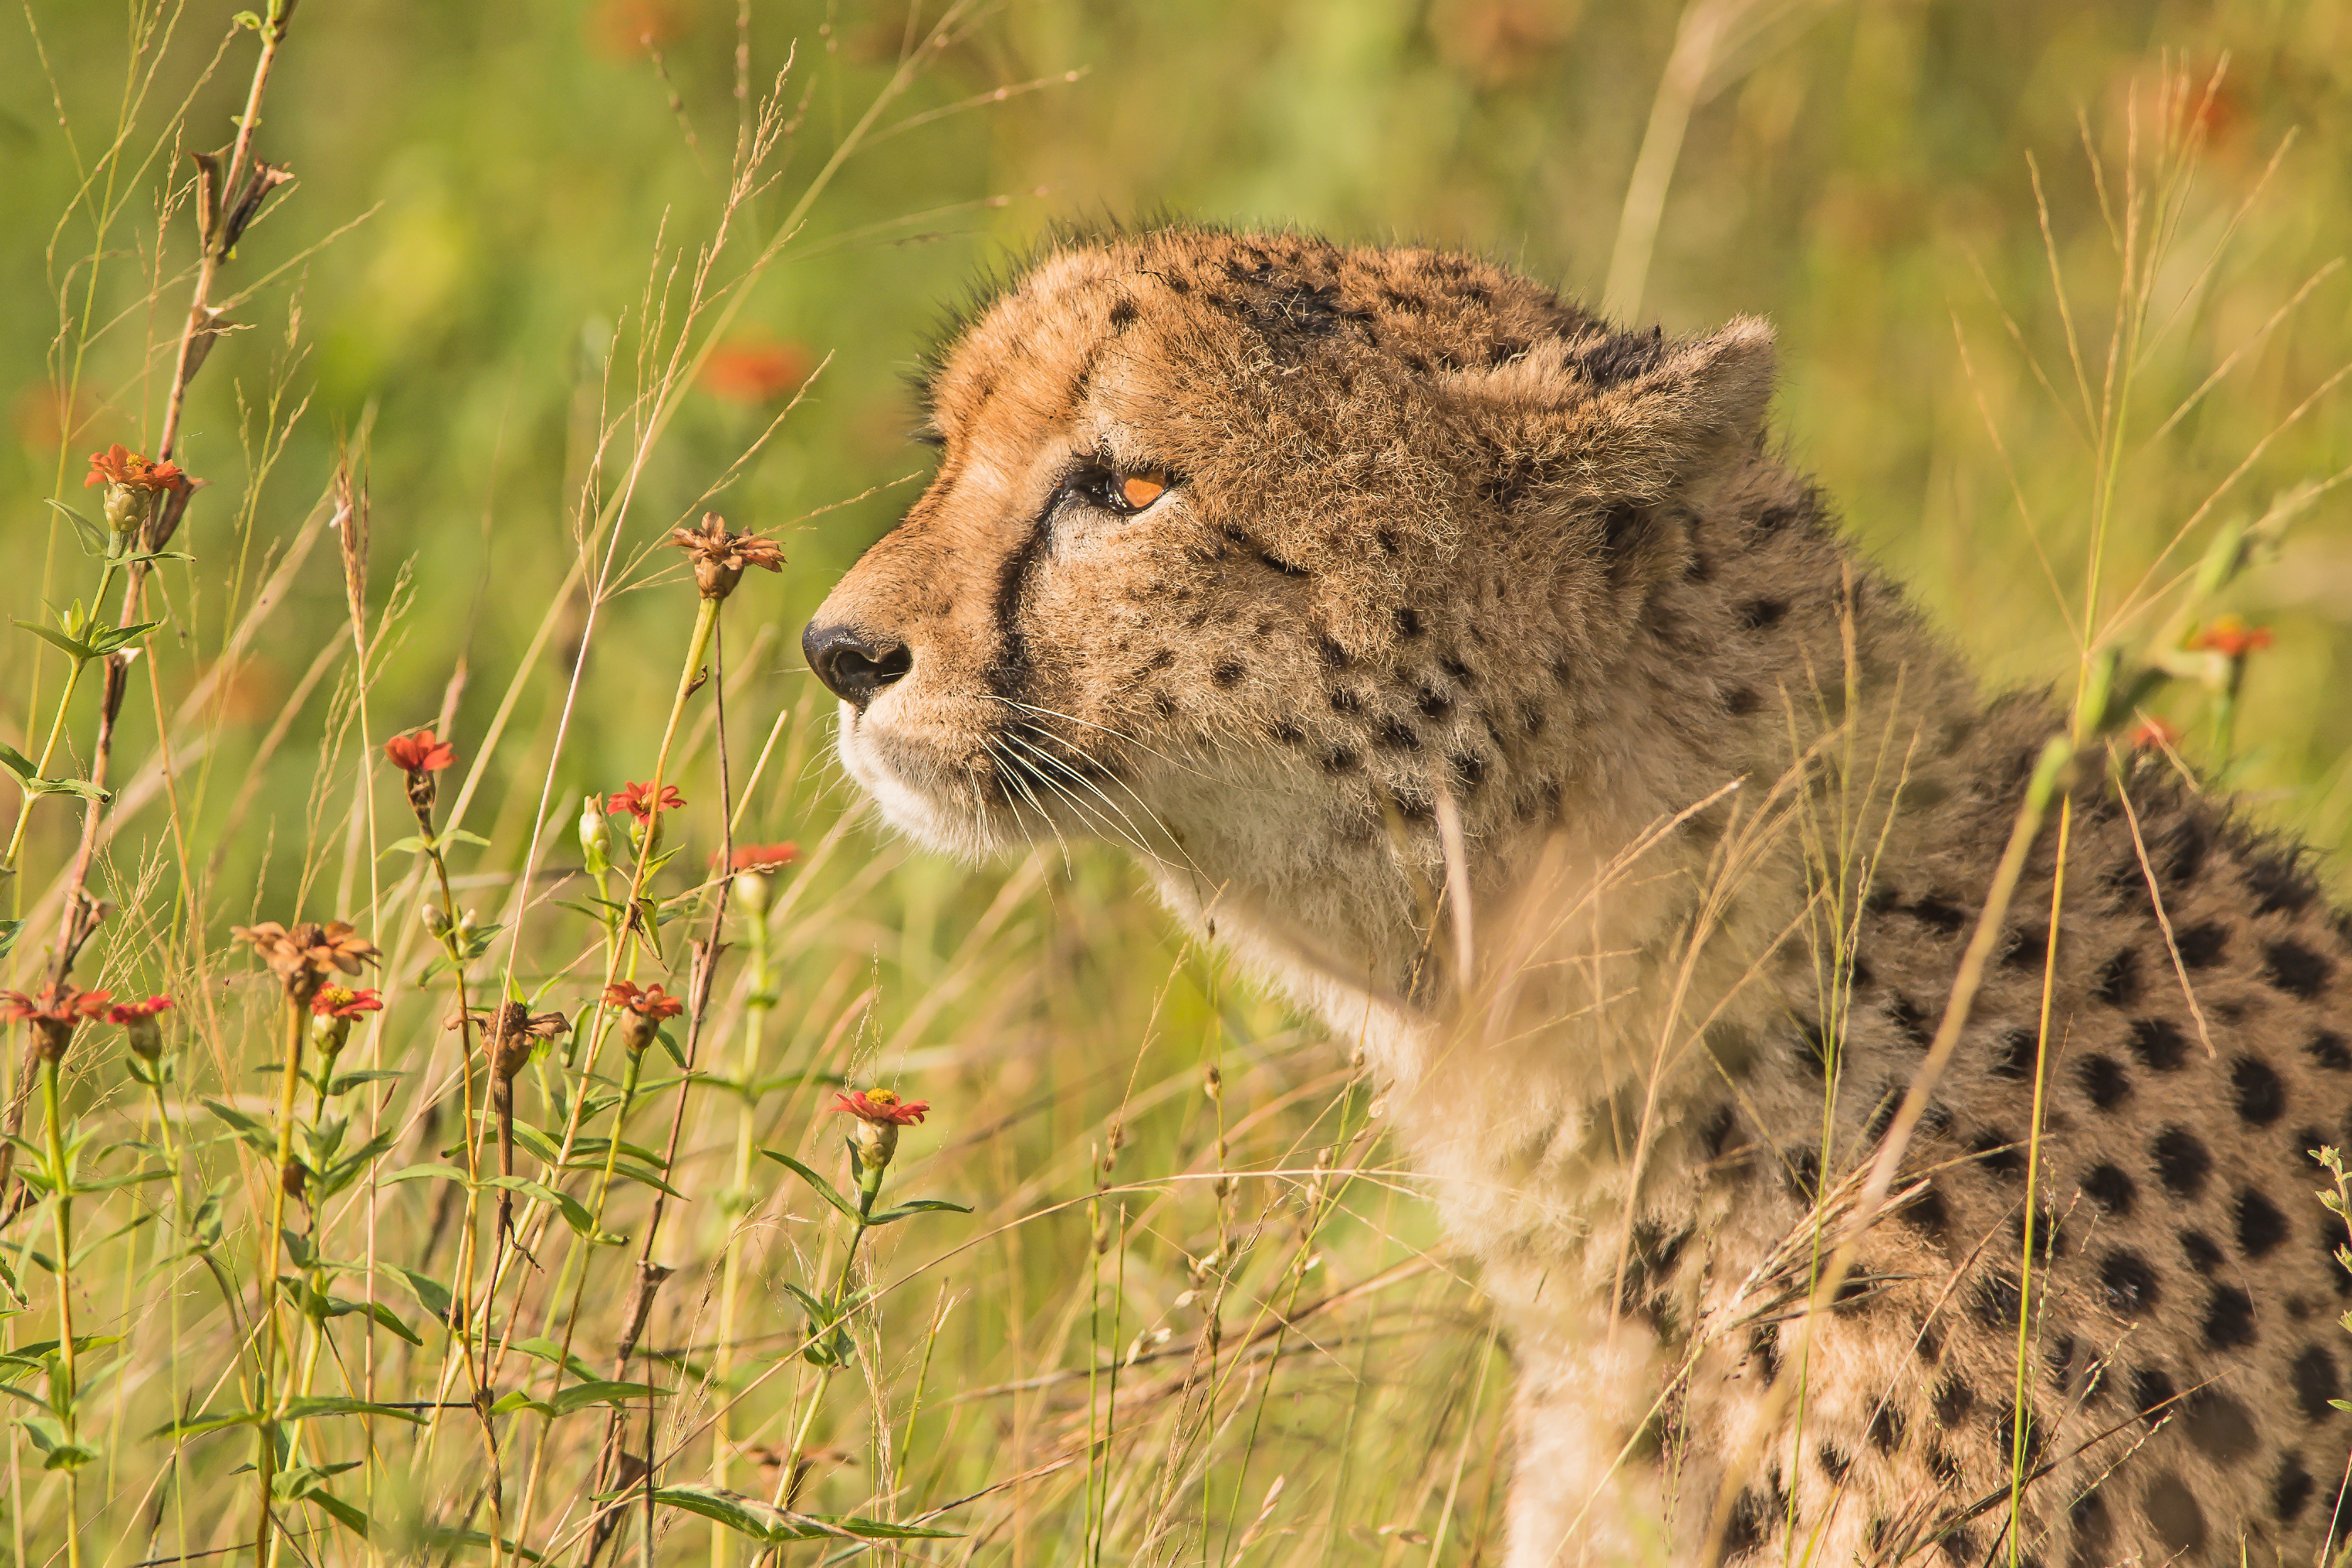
{"x": 548, "y": 284}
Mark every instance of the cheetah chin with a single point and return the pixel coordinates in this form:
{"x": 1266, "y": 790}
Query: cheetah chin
{"x": 1343, "y": 586}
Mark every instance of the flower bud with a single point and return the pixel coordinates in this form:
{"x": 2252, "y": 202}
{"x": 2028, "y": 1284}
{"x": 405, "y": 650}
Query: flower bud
{"x": 328, "y": 1032}
{"x": 436, "y": 921}
{"x": 595, "y": 837}
{"x": 878, "y": 1142}
{"x": 144, "y": 1036}
{"x": 750, "y": 891}
{"x": 127, "y": 507}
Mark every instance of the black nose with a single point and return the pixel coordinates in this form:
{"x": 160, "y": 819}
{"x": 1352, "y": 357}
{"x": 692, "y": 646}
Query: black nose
{"x": 853, "y": 666}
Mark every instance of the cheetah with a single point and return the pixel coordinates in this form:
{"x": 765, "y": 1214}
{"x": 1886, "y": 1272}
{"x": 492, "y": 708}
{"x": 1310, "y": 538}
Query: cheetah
{"x": 1476, "y": 673}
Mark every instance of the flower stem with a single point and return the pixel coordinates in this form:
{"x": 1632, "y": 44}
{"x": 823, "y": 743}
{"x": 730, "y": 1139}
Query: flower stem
{"x": 290, "y": 1081}
{"x": 62, "y": 1397}
{"x": 57, "y": 731}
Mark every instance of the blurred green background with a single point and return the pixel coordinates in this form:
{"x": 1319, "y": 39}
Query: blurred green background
{"x": 508, "y": 177}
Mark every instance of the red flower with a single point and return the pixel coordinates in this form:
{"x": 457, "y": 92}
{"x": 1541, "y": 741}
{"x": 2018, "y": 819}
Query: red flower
{"x": 638, "y": 801}
{"x": 52, "y": 1005}
{"x": 124, "y": 1012}
{"x": 764, "y": 856}
{"x": 627, "y": 27}
{"x": 126, "y": 469}
{"x": 334, "y": 1001}
{"x": 2230, "y": 637}
{"x": 642, "y": 1012}
{"x": 138, "y": 1021}
{"x": 420, "y": 753}
{"x": 2154, "y": 734}
{"x": 880, "y": 1108}
{"x": 749, "y": 371}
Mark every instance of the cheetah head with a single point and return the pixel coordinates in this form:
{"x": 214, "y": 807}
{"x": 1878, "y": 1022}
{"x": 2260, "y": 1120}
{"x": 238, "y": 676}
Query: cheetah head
{"x": 1245, "y": 545}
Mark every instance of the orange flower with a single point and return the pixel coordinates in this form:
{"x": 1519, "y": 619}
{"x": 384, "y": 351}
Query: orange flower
{"x": 420, "y": 753}
{"x": 2153, "y": 734}
{"x": 335, "y": 1002}
{"x": 638, "y": 801}
{"x": 54, "y": 1013}
{"x": 642, "y": 1011}
{"x": 750, "y": 371}
{"x": 138, "y": 1021}
{"x": 629, "y": 28}
{"x": 2231, "y": 637}
{"x": 126, "y": 469}
{"x": 764, "y": 856}
{"x": 879, "y": 1107}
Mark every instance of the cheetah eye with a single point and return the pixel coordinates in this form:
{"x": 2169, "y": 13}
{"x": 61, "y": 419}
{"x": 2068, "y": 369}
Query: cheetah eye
{"x": 1123, "y": 492}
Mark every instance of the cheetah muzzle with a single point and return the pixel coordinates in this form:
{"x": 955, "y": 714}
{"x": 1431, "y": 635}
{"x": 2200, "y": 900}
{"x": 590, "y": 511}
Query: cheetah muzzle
{"x": 1342, "y": 585}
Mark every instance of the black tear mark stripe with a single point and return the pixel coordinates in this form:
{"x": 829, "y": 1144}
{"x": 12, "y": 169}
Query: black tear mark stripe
{"x": 1010, "y": 675}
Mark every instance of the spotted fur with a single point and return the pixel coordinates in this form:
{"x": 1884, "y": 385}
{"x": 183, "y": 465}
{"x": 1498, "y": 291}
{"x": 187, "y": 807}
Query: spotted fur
{"x": 1444, "y": 552}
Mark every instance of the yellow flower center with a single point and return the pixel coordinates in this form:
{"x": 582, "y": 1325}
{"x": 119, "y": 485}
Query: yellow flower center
{"x": 881, "y": 1097}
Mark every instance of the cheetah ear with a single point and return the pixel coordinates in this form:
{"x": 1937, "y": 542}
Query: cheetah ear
{"x": 1701, "y": 403}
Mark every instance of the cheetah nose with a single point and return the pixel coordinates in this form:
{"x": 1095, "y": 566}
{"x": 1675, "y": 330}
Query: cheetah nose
{"x": 854, "y": 667}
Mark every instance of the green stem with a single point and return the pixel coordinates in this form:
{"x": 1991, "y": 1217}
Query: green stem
{"x": 755, "y": 1016}
{"x": 63, "y": 1396}
{"x": 289, "y": 1083}
{"x": 57, "y": 732}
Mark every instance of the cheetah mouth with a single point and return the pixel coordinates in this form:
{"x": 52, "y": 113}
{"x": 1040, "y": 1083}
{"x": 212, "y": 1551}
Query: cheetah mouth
{"x": 1004, "y": 788}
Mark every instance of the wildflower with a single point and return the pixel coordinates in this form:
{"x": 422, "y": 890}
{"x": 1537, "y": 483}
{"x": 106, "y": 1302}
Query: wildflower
{"x": 595, "y": 837}
{"x": 880, "y": 1114}
{"x": 420, "y": 756}
{"x": 301, "y": 958}
{"x": 510, "y": 1031}
{"x": 642, "y": 1012}
{"x": 626, "y": 28}
{"x": 2231, "y": 637}
{"x": 132, "y": 483}
{"x": 638, "y": 801}
{"x": 55, "y": 1013}
{"x": 138, "y": 1021}
{"x": 721, "y": 556}
{"x": 764, "y": 857}
{"x": 755, "y": 372}
{"x": 332, "y": 1011}
{"x": 2153, "y": 734}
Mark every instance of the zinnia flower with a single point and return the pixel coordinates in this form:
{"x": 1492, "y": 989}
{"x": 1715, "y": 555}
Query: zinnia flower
{"x": 2231, "y": 637}
{"x": 764, "y": 856}
{"x": 303, "y": 957}
{"x": 642, "y": 1011}
{"x": 54, "y": 1013}
{"x": 335, "y": 1002}
{"x": 880, "y": 1114}
{"x": 2153, "y": 734}
{"x": 420, "y": 756}
{"x": 132, "y": 483}
{"x": 138, "y": 1021}
{"x": 719, "y": 556}
{"x": 638, "y": 801}
{"x": 755, "y": 372}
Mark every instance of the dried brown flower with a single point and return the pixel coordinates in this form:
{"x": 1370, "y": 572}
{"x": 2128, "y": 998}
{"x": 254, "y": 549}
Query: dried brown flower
{"x": 510, "y": 1032}
{"x": 303, "y": 957}
{"x": 719, "y": 556}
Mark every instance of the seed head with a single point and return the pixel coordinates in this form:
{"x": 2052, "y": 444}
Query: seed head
{"x": 303, "y": 957}
{"x": 719, "y": 556}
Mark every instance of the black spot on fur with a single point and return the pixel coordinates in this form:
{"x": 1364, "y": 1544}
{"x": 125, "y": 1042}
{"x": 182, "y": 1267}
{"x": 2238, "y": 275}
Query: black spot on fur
{"x": 2181, "y": 1162}
{"x": 2201, "y": 945}
{"x": 1835, "y": 1463}
{"x": 1952, "y": 1402}
{"x": 2129, "y": 1282}
{"x": 2094, "y": 1527}
{"x": 2220, "y": 1428}
{"x": 2201, "y": 1253}
{"x": 2229, "y": 1318}
{"x": 1802, "y": 1171}
{"x": 2029, "y": 948}
{"x": 2015, "y": 1053}
{"x": 1886, "y": 1429}
{"x": 1739, "y": 702}
{"x": 2154, "y": 1394}
{"x": 2280, "y": 883}
{"x": 2158, "y": 1043}
{"x": 1764, "y": 1348}
{"x": 1434, "y": 704}
{"x": 1123, "y": 313}
{"x": 1620, "y": 356}
{"x": 2118, "y": 982}
{"x": 2016, "y": 1433}
{"x": 1470, "y": 768}
{"x": 1909, "y": 1022}
{"x": 2326, "y": 1047}
{"x": 2103, "y": 1080}
{"x": 2261, "y": 1227}
{"x": 2294, "y": 968}
{"x": 2262, "y": 1098}
{"x": 1397, "y": 736}
{"x": 2291, "y": 1491}
{"x": 2049, "y": 1236}
{"x": 1814, "y": 1048}
{"x": 1339, "y": 760}
{"x": 1925, "y": 1214}
{"x": 1456, "y": 670}
{"x": 2186, "y": 844}
{"x": 2110, "y": 1189}
{"x": 1997, "y": 1152}
{"x": 1408, "y": 624}
{"x": 2315, "y": 1383}
{"x": 1714, "y": 1134}
{"x": 1760, "y": 614}
{"x": 1997, "y": 1300}
{"x": 1228, "y": 673}
{"x": 1344, "y": 699}
{"x": 1287, "y": 732}
{"x": 1939, "y": 913}
{"x": 1751, "y": 1516}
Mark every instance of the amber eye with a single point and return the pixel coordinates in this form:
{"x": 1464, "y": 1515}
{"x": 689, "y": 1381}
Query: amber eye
{"x": 1139, "y": 491}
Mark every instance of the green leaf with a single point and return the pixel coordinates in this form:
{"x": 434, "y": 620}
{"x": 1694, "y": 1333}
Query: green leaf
{"x": 94, "y": 539}
{"x": 17, "y": 762}
{"x": 248, "y": 1130}
{"x": 58, "y": 1452}
{"x": 575, "y": 1213}
{"x": 344, "y": 1082}
{"x": 336, "y": 1404}
{"x": 518, "y": 1399}
{"x": 342, "y": 1512}
{"x": 423, "y": 1174}
{"x": 459, "y": 836}
{"x": 210, "y": 1421}
{"x": 81, "y": 651}
{"x": 430, "y": 1293}
{"x": 9, "y": 931}
{"x": 33, "y": 1357}
{"x": 882, "y": 1530}
{"x": 112, "y": 639}
{"x": 548, "y": 1351}
{"x": 825, "y": 1189}
{"x": 917, "y": 1205}
{"x": 745, "y": 1516}
{"x": 581, "y": 1395}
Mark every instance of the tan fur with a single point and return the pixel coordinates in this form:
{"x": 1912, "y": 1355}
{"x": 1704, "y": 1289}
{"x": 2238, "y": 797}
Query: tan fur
{"x": 1441, "y": 545}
